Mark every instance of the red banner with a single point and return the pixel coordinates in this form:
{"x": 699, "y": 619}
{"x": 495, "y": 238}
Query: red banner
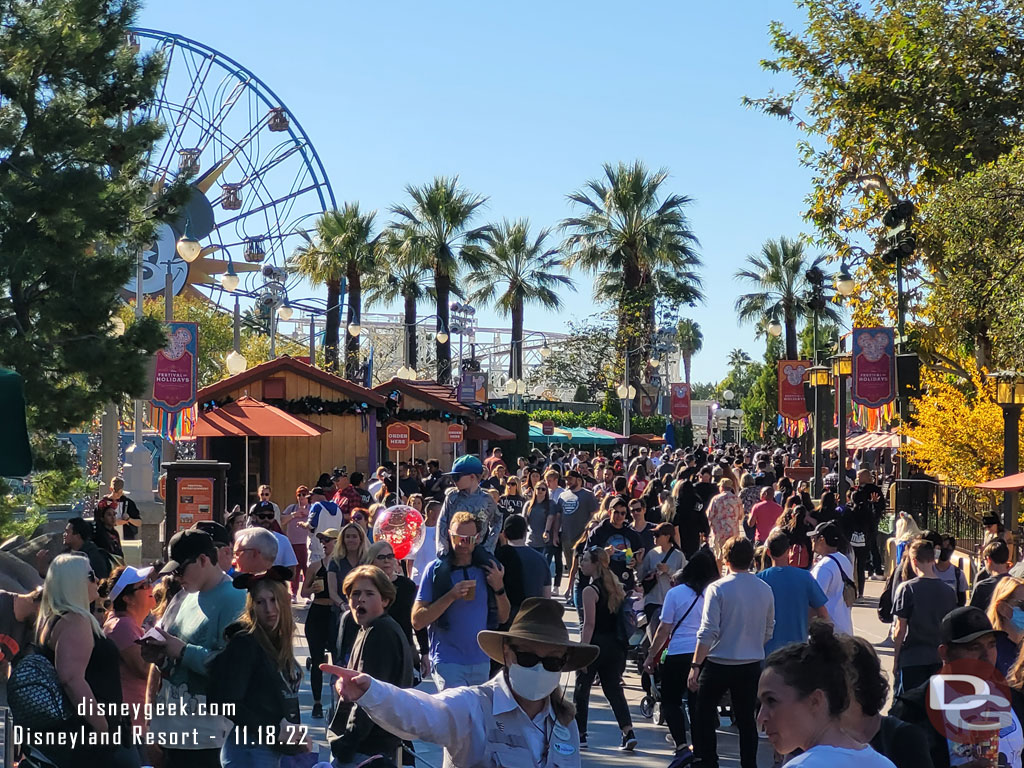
{"x": 791, "y": 388}
{"x": 680, "y": 402}
{"x": 174, "y": 385}
{"x": 874, "y": 367}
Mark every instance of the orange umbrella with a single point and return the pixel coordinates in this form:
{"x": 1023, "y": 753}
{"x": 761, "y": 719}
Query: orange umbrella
{"x": 1008, "y": 483}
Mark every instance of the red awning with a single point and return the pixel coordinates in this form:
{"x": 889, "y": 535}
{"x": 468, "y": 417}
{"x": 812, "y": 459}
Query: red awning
{"x": 651, "y": 441}
{"x": 416, "y": 435}
{"x": 1008, "y": 483}
{"x": 620, "y": 439}
{"x": 486, "y": 430}
{"x": 248, "y": 417}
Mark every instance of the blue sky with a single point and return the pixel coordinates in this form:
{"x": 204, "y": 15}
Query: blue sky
{"x": 525, "y": 101}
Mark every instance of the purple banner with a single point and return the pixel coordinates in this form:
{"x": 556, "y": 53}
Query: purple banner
{"x": 874, "y": 367}
{"x": 174, "y": 386}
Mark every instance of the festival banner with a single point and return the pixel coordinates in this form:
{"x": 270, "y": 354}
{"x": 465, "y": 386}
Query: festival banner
{"x": 473, "y": 387}
{"x": 874, "y": 367}
{"x": 680, "y": 407}
{"x": 174, "y": 384}
{"x": 791, "y": 389}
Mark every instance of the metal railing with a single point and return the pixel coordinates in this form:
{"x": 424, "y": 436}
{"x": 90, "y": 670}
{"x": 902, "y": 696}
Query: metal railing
{"x": 944, "y": 508}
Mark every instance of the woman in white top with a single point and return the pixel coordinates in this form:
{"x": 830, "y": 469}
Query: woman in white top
{"x": 803, "y": 692}
{"x": 680, "y": 620}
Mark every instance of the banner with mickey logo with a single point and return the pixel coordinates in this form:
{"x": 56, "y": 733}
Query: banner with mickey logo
{"x": 680, "y": 406}
{"x": 792, "y": 405}
{"x": 874, "y": 367}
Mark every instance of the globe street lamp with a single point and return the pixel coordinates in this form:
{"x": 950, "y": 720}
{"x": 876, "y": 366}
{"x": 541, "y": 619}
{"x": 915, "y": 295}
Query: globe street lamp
{"x": 775, "y": 328}
{"x": 626, "y": 393}
{"x": 820, "y": 378}
{"x": 1010, "y": 396}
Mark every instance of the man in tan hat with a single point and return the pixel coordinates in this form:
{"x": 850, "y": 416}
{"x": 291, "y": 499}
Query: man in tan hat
{"x": 518, "y": 717}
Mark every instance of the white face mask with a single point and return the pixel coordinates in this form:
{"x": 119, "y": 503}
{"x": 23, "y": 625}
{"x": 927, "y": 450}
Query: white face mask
{"x": 533, "y": 683}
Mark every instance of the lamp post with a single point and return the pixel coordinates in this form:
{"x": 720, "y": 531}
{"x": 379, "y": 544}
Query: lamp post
{"x": 1010, "y": 396}
{"x": 408, "y": 369}
{"x": 842, "y": 369}
{"x": 626, "y": 393}
{"x": 819, "y": 377}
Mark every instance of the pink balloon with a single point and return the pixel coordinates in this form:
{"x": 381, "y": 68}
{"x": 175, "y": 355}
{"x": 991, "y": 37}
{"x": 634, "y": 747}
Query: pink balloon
{"x": 402, "y": 527}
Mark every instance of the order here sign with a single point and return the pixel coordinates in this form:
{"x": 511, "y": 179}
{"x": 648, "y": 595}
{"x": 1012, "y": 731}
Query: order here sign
{"x": 396, "y": 437}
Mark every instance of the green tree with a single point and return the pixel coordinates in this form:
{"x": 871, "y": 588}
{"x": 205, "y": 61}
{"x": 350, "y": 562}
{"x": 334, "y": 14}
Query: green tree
{"x": 639, "y": 244}
{"x": 407, "y": 279}
{"x": 580, "y": 360}
{"x": 690, "y": 341}
{"x": 895, "y": 98}
{"x": 513, "y": 270}
{"x": 738, "y": 359}
{"x": 440, "y": 216}
{"x": 76, "y": 208}
{"x": 778, "y": 273}
{"x": 761, "y": 404}
{"x": 703, "y": 390}
{"x": 344, "y": 246}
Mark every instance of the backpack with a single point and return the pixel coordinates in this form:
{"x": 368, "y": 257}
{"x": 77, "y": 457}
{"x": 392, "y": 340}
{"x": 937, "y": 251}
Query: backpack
{"x": 885, "y": 599}
{"x": 34, "y": 694}
{"x": 849, "y": 588}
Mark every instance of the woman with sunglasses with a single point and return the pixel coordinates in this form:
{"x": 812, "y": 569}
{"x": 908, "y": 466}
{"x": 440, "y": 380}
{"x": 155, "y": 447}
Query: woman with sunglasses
{"x": 511, "y": 502}
{"x": 264, "y": 492}
{"x": 361, "y": 517}
{"x": 601, "y": 600}
{"x": 321, "y": 626}
{"x": 292, "y": 519}
{"x": 87, "y": 663}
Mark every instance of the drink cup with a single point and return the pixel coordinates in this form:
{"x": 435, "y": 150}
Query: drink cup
{"x": 471, "y": 594}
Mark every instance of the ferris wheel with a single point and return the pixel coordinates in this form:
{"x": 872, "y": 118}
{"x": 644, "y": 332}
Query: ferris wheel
{"x": 257, "y": 181}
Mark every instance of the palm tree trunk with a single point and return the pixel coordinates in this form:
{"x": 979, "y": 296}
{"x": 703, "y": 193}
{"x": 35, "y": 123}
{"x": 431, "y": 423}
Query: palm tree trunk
{"x": 333, "y": 322}
{"x": 410, "y": 331}
{"x": 442, "y": 287}
{"x": 686, "y": 369}
{"x": 354, "y": 313}
{"x": 516, "y": 358}
{"x": 791, "y": 345}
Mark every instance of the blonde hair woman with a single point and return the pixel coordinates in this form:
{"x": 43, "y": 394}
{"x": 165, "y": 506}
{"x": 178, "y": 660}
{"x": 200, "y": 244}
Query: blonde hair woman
{"x": 1007, "y": 617}
{"x": 257, "y": 671}
{"x": 87, "y": 663}
{"x": 601, "y": 601}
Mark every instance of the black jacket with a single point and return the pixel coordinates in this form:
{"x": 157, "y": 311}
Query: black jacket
{"x": 910, "y": 707}
{"x": 382, "y": 652}
{"x": 247, "y": 677}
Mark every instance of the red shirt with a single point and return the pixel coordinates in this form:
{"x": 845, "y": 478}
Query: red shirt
{"x": 348, "y": 499}
{"x": 492, "y": 461}
{"x": 765, "y": 515}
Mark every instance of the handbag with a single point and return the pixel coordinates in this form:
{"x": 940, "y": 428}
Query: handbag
{"x": 849, "y": 588}
{"x": 34, "y": 694}
{"x": 650, "y": 581}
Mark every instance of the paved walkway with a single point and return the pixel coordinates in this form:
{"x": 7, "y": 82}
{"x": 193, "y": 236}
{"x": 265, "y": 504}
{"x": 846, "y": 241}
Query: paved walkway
{"x": 604, "y": 734}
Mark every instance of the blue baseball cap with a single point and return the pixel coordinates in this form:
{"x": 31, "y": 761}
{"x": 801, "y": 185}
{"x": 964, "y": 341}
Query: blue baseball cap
{"x": 466, "y": 465}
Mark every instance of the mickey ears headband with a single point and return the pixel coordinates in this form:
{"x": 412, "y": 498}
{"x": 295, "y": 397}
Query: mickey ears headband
{"x": 250, "y": 580}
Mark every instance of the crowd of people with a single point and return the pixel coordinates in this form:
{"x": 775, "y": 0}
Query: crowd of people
{"x": 725, "y": 580}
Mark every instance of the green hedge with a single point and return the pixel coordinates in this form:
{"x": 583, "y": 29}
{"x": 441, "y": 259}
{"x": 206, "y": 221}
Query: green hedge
{"x": 603, "y": 419}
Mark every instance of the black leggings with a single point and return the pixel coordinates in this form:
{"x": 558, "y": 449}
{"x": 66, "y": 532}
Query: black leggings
{"x": 319, "y": 639}
{"x": 674, "y": 673}
{"x": 610, "y": 664}
{"x": 741, "y": 682}
{"x": 862, "y": 565}
{"x": 552, "y": 552}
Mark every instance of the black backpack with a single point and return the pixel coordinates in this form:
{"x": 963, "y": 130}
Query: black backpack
{"x": 885, "y": 600}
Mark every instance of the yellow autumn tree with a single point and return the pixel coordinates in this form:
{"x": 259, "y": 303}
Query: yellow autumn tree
{"x": 958, "y": 435}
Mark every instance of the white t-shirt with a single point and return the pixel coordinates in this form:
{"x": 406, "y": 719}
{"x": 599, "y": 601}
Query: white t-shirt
{"x": 826, "y": 573}
{"x": 425, "y": 555}
{"x": 840, "y": 757}
{"x": 677, "y": 601}
{"x": 285, "y": 551}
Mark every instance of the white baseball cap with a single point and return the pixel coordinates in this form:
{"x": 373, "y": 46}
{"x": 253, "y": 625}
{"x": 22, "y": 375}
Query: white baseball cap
{"x": 128, "y": 577}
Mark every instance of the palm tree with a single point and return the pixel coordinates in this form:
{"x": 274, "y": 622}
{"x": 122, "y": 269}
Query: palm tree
{"x": 407, "y": 278}
{"x": 343, "y": 247}
{"x": 690, "y": 341}
{"x": 639, "y": 245}
{"x": 439, "y": 216}
{"x": 738, "y": 359}
{"x": 513, "y": 271}
{"x": 779, "y": 272}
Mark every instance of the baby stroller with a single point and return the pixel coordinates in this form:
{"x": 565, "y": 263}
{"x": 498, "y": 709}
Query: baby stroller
{"x": 650, "y": 704}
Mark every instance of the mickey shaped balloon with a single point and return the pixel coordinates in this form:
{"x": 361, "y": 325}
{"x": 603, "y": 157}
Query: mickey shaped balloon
{"x": 402, "y": 527}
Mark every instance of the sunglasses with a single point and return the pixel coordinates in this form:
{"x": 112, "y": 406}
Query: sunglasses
{"x": 265, "y": 493}
{"x": 358, "y": 518}
{"x": 463, "y": 539}
{"x": 266, "y": 517}
{"x": 528, "y": 659}
{"x": 180, "y": 570}
{"x": 92, "y": 577}
{"x": 302, "y": 495}
{"x": 324, "y": 539}
{"x": 386, "y": 556}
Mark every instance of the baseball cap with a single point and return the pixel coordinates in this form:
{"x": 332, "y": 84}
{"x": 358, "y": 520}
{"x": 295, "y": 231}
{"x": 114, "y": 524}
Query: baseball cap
{"x": 262, "y": 506}
{"x": 217, "y": 532}
{"x": 991, "y": 519}
{"x": 339, "y": 472}
{"x": 962, "y": 625}
{"x": 129, "y": 576}
{"x": 829, "y": 532}
{"x": 466, "y": 465}
{"x": 188, "y": 545}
